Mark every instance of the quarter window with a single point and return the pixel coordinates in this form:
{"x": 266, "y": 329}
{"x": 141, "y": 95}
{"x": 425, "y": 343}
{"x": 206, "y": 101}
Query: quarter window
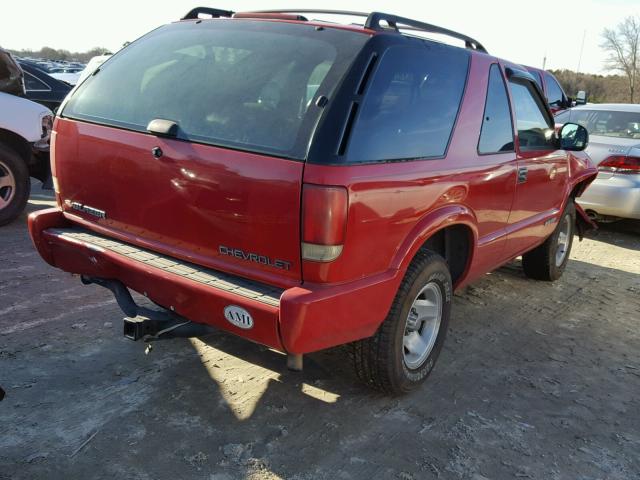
{"x": 496, "y": 135}
{"x": 411, "y": 105}
{"x": 535, "y": 131}
{"x": 31, "y": 84}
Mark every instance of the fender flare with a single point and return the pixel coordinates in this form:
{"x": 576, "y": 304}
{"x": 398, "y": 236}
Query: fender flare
{"x": 430, "y": 224}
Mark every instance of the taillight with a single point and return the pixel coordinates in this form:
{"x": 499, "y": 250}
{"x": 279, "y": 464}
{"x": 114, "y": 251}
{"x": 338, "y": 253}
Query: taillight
{"x": 324, "y": 220}
{"x": 621, "y": 164}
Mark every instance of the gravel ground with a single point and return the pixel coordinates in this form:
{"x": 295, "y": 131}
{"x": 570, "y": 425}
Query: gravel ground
{"x": 536, "y": 380}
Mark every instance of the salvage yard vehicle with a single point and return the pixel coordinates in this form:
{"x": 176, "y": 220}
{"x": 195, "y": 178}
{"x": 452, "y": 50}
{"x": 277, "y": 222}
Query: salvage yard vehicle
{"x": 556, "y": 98}
{"x": 42, "y": 88}
{"x": 305, "y": 184}
{"x": 614, "y": 130}
{"x": 25, "y": 127}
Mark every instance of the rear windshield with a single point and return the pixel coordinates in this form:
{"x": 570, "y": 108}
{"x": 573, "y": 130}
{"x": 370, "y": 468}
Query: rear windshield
{"x": 248, "y": 85}
{"x": 605, "y": 123}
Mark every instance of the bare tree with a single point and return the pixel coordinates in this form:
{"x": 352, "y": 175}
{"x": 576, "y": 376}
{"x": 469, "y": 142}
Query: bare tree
{"x": 623, "y": 46}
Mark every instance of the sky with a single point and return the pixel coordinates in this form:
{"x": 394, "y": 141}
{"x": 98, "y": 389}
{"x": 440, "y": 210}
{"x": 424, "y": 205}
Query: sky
{"x": 523, "y": 32}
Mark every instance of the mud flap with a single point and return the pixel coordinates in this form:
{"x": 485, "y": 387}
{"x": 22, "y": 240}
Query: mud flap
{"x": 583, "y": 222}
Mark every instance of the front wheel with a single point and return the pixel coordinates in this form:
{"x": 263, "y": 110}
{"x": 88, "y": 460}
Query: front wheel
{"x": 548, "y": 261}
{"x": 402, "y": 353}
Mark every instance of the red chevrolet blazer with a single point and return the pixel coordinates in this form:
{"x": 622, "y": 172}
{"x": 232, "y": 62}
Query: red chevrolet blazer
{"x": 306, "y": 184}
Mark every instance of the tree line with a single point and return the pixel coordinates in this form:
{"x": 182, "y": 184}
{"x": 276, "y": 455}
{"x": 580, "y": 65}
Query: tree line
{"x": 54, "y": 54}
{"x": 599, "y": 88}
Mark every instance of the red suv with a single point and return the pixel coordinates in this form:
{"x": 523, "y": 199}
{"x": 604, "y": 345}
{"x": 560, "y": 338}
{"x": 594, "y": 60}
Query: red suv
{"x": 306, "y": 184}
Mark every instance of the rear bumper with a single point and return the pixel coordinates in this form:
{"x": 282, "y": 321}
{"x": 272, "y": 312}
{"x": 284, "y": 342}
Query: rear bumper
{"x": 296, "y": 320}
{"x": 617, "y": 195}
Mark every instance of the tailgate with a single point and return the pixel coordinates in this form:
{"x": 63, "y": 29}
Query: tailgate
{"x": 230, "y": 210}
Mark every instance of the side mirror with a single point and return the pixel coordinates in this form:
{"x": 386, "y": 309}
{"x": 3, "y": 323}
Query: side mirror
{"x": 581, "y": 98}
{"x": 573, "y": 137}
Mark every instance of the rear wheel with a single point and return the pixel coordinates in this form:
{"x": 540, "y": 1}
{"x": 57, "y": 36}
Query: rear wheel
{"x": 548, "y": 261}
{"x": 404, "y": 350}
{"x": 14, "y": 185}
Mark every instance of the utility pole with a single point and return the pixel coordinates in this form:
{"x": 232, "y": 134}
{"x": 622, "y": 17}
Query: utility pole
{"x": 544, "y": 60}
{"x": 584, "y": 34}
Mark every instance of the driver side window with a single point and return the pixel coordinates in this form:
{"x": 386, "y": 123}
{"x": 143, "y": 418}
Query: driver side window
{"x": 535, "y": 130}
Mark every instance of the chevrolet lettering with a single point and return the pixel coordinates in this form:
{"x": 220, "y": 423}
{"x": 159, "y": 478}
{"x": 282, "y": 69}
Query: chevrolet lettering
{"x": 254, "y": 257}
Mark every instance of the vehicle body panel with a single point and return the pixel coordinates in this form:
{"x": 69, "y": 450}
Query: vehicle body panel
{"x": 22, "y": 117}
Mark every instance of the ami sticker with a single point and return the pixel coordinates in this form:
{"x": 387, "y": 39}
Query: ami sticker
{"x": 238, "y": 316}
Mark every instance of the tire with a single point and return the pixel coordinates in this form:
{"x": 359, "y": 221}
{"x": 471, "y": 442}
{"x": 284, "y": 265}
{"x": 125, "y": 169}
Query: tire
{"x": 14, "y": 185}
{"x": 382, "y": 361}
{"x": 548, "y": 261}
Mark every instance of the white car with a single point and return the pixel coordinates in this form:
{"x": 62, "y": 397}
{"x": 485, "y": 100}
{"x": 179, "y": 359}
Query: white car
{"x": 70, "y": 78}
{"x": 25, "y": 128}
{"x": 614, "y": 145}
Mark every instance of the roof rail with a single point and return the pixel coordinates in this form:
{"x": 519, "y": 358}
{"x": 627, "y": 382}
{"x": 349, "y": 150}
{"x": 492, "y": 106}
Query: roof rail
{"x": 394, "y": 23}
{"x": 313, "y": 10}
{"x": 214, "y": 12}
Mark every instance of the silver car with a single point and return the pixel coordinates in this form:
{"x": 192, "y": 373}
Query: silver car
{"x": 614, "y": 145}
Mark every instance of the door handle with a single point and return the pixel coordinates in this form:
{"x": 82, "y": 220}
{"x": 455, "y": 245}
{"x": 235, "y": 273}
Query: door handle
{"x": 522, "y": 174}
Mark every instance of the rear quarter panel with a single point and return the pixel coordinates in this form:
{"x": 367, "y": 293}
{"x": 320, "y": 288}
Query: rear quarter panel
{"x": 394, "y": 207}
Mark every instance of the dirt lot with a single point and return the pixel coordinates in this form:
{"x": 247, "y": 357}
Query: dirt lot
{"x": 536, "y": 381}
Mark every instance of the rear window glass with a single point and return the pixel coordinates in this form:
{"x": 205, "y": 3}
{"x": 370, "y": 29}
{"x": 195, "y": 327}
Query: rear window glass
{"x": 31, "y": 83}
{"x": 239, "y": 84}
{"x": 554, "y": 92}
{"x": 606, "y": 123}
{"x": 411, "y": 104}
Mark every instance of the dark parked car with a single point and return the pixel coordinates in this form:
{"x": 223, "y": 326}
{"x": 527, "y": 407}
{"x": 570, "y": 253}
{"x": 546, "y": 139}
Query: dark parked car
{"x": 42, "y": 88}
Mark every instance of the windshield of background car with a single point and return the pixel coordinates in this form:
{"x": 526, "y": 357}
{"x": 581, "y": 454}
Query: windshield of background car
{"x": 249, "y": 85}
{"x": 605, "y": 123}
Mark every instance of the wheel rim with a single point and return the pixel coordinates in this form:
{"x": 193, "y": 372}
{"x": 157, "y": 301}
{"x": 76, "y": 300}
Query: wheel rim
{"x": 7, "y": 185}
{"x": 563, "y": 240}
{"x": 422, "y": 325}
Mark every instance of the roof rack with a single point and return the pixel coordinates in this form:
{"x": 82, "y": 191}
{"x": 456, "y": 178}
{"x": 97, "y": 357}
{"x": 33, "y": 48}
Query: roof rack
{"x": 394, "y": 23}
{"x": 214, "y": 12}
{"x": 373, "y": 22}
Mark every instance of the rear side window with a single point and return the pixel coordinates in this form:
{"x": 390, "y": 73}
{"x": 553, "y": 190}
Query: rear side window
{"x": 555, "y": 96}
{"x": 496, "y": 135}
{"x": 411, "y": 104}
{"x": 33, "y": 84}
{"x": 239, "y": 84}
{"x": 534, "y": 130}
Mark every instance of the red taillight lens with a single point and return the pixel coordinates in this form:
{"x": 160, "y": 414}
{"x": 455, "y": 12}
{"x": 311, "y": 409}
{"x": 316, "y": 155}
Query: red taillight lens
{"x": 621, "y": 164}
{"x": 324, "y": 220}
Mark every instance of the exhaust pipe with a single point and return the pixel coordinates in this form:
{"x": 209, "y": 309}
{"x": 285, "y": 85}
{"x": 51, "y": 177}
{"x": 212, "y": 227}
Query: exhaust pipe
{"x": 142, "y": 323}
